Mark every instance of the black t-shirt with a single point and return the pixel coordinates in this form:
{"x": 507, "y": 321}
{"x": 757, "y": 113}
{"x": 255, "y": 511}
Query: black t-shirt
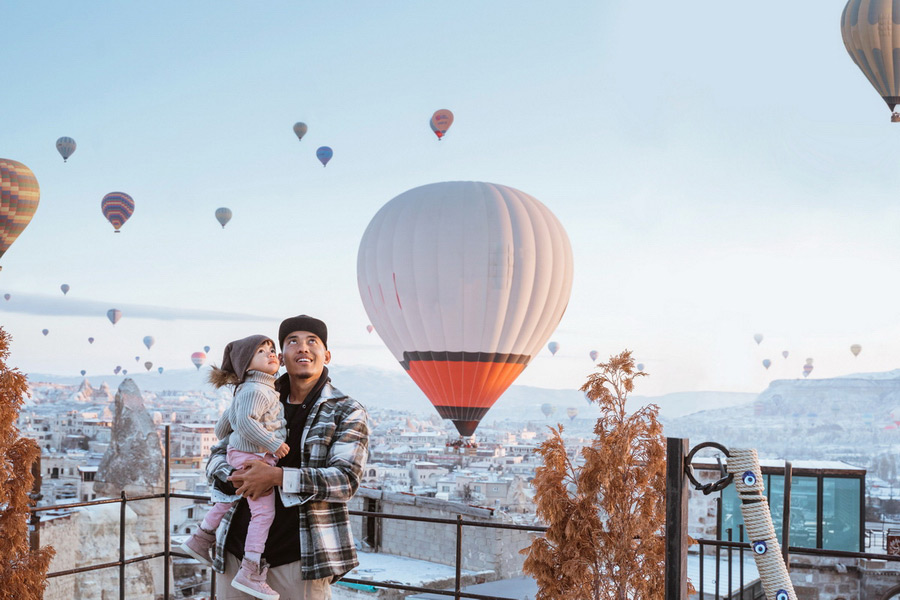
{"x": 283, "y": 543}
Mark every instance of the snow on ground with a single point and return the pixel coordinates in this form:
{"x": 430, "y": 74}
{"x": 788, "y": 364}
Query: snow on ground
{"x": 378, "y": 566}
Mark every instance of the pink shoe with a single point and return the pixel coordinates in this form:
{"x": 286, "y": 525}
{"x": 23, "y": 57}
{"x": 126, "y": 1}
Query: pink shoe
{"x": 251, "y": 579}
{"x": 199, "y": 545}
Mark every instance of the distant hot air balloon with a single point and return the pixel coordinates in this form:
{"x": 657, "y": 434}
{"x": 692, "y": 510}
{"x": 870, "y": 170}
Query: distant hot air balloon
{"x": 114, "y": 314}
{"x": 7, "y": 297}
{"x": 572, "y": 412}
{"x": 324, "y": 154}
{"x": 19, "y": 198}
{"x": 300, "y": 130}
{"x": 369, "y": 328}
{"x": 441, "y": 121}
{"x": 640, "y": 367}
{"x": 83, "y": 372}
{"x": 117, "y": 369}
{"x": 855, "y": 349}
{"x": 593, "y": 354}
{"x": 464, "y": 282}
{"x": 66, "y": 147}
{"x": 785, "y": 353}
{"x": 65, "y": 288}
{"x": 548, "y": 409}
{"x": 223, "y": 215}
{"x": 767, "y": 363}
{"x": 807, "y": 369}
{"x": 869, "y": 29}
{"x": 758, "y": 337}
{"x": 148, "y": 365}
{"x": 160, "y": 369}
{"x": 117, "y": 208}
{"x": 149, "y": 340}
{"x": 553, "y": 347}
{"x": 90, "y": 340}
{"x": 198, "y": 358}
{"x": 137, "y": 358}
{"x": 124, "y": 371}
{"x": 206, "y": 349}
{"x": 45, "y": 332}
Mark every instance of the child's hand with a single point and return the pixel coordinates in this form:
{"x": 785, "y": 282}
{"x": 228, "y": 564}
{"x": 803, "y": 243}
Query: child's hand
{"x": 282, "y": 451}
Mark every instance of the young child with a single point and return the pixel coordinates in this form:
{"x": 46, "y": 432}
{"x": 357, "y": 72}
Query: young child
{"x": 255, "y": 427}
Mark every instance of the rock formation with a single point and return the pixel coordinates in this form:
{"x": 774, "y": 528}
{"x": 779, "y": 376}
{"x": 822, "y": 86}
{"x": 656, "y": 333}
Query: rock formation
{"x": 134, "y": 464}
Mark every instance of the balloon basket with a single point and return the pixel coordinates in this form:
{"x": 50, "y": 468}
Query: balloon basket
{"x": 895, "y": 117}
{"x": 463, "y": 445}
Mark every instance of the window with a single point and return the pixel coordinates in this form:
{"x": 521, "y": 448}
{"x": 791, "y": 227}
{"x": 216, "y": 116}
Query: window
{"x": 840, "y": 514}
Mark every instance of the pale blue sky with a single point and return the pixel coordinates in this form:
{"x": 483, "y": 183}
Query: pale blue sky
{"x": 721, "y": 170}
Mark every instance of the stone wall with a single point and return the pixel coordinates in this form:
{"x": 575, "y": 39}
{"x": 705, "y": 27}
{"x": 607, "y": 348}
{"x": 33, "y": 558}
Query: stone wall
{"x": 90, "y": 536}
{"x": 59, "y": 531}
{"x": 483, "y": 549}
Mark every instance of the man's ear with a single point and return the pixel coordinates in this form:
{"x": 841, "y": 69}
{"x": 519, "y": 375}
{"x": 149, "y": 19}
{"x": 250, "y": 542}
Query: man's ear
{"x": 281, "y": 359}
{"x": 327, "y": 356}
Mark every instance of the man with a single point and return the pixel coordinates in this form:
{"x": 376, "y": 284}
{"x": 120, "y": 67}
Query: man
{"x": 309, "y": 544}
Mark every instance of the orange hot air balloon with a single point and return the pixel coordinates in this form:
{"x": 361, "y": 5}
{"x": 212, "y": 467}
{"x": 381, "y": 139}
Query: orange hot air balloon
{"x": 464, "y": 282}
{"x": 19, "y": 198}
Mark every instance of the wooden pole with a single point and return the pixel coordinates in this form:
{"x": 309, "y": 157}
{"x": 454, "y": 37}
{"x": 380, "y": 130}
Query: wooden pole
{"x": 677, "y": 496}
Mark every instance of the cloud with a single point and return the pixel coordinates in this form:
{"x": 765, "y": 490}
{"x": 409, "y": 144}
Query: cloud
{"x": 35, "y": 304}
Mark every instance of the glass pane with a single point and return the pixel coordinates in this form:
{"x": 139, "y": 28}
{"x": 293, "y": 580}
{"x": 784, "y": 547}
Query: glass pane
{"x": 804, "y": 508}
{"x": 731, "y": 514}
{"x": 840, "y": 527}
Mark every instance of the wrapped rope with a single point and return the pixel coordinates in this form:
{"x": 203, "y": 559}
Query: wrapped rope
{"x": 743, "y": 463}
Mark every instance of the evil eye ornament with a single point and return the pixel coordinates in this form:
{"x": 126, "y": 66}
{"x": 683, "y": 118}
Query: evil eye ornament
{"x": 760, "y": 547}
{"x": 749, "y": 478}
{"x": 782, "y": 595}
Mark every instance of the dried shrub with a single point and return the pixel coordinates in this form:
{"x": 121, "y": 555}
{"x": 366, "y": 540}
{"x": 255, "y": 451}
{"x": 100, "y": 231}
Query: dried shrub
{"x": 22, "y": 571}
{"x": 606, "y": 518}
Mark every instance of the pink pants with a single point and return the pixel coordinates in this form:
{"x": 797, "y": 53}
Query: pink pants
{"x": 262, "y": 510}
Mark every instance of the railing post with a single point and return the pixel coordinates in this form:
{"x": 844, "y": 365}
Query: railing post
{"x": 167, "y": 549}
{"x": 677, "y": 496}
{"x": 122, "y": 548}
{"x": 786, "y": 515}
{"x": 458, "y": 555}
{"x": 34, "y": 524}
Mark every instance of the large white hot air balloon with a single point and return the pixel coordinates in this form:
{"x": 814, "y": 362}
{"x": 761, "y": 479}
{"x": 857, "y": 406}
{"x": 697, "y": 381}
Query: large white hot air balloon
{"x": 464, "y": 282}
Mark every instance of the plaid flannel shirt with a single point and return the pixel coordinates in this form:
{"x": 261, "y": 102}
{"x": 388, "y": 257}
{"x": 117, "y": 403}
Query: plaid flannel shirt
{"x": 335, "y": 450}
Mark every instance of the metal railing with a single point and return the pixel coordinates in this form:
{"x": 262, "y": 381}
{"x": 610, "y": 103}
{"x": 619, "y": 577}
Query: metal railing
{"x": 677, "y": 485}
{"x": 168, "y": 554}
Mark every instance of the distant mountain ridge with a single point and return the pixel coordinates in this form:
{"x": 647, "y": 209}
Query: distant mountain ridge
{"x": 395, "y": 390}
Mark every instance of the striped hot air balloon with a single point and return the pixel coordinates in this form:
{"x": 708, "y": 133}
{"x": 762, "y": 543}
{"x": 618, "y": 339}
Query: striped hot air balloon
{"x": 66, "y": 147}
{"x": 114, "y": 314}
{"x": 464, "y": 282}
{"x": 19, "y": 198}
{"x": 871, "y": 33}
{"x": 117, "y": 208}
{"x": 198, "y": 358}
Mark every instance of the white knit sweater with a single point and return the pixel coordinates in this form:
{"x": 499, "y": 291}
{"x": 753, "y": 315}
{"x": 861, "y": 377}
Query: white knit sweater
{"x": 254, "y": 422}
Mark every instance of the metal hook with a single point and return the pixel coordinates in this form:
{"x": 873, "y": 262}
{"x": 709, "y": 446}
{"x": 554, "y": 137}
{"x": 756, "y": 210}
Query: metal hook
{"x": 716, "y": 486}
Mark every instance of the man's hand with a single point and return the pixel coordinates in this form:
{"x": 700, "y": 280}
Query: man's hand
{"x": 256, "y": 479}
